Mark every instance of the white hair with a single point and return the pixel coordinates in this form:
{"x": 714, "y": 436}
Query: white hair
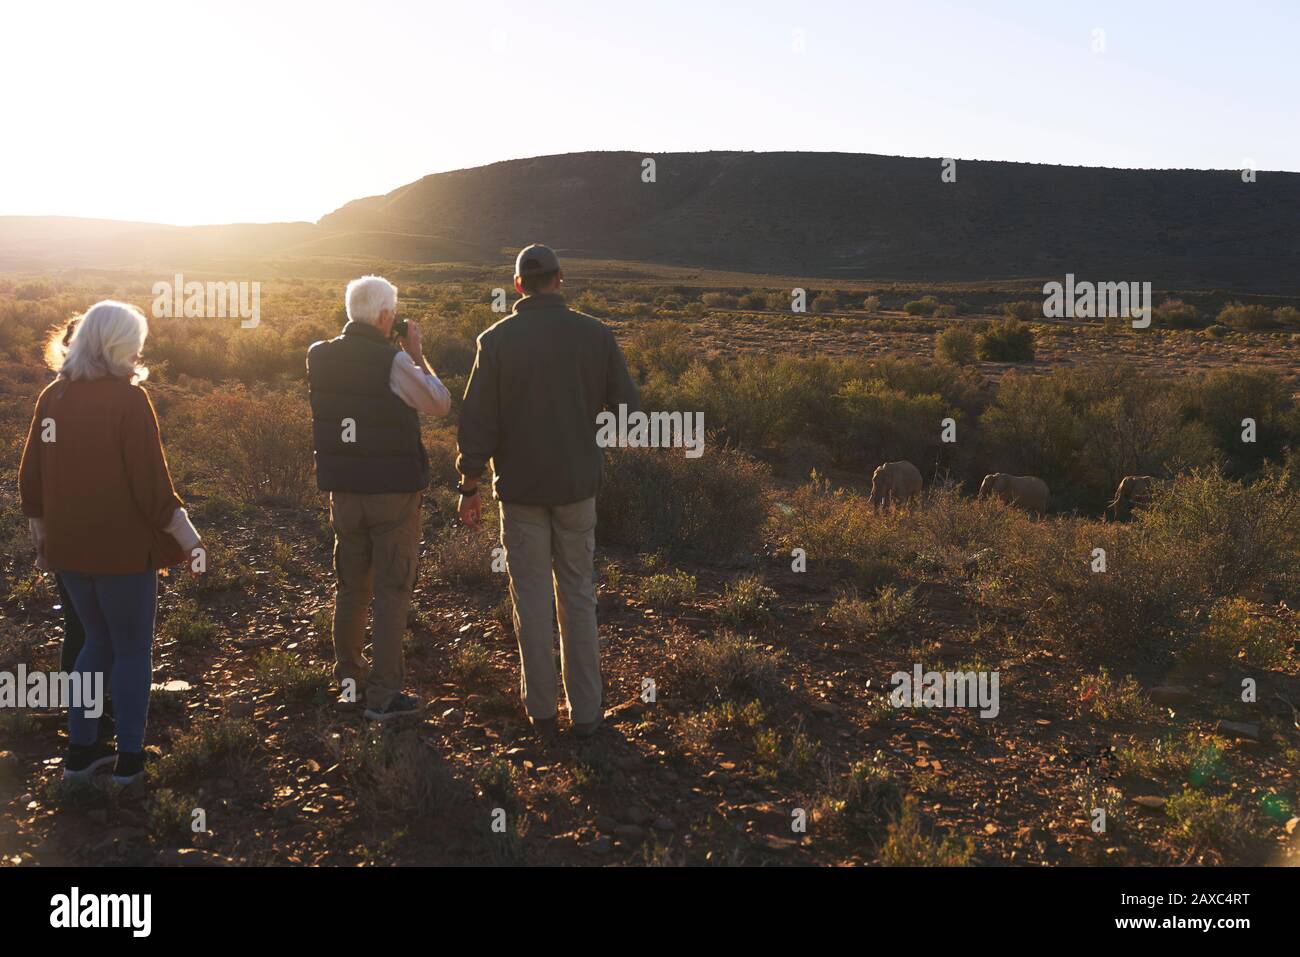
{"x": 107, "y": 341}
{"x": 368, "y": 296}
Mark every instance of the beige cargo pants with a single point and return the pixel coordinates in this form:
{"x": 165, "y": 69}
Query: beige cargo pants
{"x": 549, "y": 553}
{"x": 376, "y": 555}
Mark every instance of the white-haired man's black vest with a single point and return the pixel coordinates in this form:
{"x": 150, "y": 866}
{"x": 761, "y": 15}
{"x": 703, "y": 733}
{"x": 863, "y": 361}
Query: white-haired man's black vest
{"x": 366, "y": 439}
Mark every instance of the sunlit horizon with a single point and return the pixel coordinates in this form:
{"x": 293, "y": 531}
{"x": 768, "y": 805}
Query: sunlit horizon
{"x": 256, "y": 112}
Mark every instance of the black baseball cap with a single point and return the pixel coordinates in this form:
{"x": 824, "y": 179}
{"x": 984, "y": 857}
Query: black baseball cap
{"x": 536, "y": 259}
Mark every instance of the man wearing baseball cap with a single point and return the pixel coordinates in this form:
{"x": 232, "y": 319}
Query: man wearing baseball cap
{"x": 540, "y": 377}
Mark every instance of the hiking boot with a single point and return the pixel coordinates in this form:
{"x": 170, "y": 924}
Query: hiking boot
{"x": 546, "y": 729}
{"x": 398, "y": 706}
{"x": 83, "y": 760}
{"x": 129, "y": 768}
{"x": 587, "y": 729}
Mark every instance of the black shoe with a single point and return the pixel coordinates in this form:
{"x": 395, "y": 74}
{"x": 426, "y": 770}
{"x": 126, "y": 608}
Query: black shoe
{"x": 398, "y": 706}
{"x": 129, "y": 768}
{"x": 587, "y": 729}
{"x": 83, "y": 760}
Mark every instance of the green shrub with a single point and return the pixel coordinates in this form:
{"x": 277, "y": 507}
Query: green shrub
{"x": 213, "y": 746}
{"x": 825, "y": 302}
{"x": 890, "y": 612}
{"x": 1008, "y": 341}
{"x": 187, "y": 624}
{"x": 1204, "y": 822}
{"x": 1238, "y": 628}
{"x": 259, "y": 442}
{"x": 471, "y": 665}
{"x": 1026, "y": 310}
{"x": 956, "y": 345}
{"x": 1176, "y": 314}
{"x": 725, "y": 667}
{"x": 668, "y": 591}
{"x": 1112, "y": 700}
{"x": 712, "y": 506}
{"x": 1287, "y": 316}
{"x": 291, "y": 675}
{"x": 1250, "y": 318}
{"x": 746, "y": 601}
{"x": 925, "y": 306}
{"x": 910, "y": 843}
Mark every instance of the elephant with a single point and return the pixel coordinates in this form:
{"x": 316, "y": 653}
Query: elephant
{"x": 894, "y": 483}
{"x": 1133, "y": 490}
{"x": 1027, "y": 491}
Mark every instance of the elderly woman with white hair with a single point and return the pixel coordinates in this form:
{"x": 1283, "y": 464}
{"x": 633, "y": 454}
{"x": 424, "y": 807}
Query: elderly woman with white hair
{"x": 105, "y": 517}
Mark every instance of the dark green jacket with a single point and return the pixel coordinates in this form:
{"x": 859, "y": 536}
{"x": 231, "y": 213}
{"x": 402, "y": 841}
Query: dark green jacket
{"x": 540, "y": 377}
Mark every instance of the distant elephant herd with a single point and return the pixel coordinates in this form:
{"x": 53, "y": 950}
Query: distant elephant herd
{"x": 896, "y": 482}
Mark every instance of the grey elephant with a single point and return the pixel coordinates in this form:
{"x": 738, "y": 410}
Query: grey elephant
{"x": 1026, "y": 491}
{"x": 894, "y": 483}
{"x": 1133, "y": 490}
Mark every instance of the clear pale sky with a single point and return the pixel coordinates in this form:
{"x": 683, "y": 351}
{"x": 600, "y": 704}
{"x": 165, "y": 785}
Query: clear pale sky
{"x": 234, "y": 111}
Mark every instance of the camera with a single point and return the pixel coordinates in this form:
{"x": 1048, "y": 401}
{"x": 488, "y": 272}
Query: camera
{"x": 399, "y": 330}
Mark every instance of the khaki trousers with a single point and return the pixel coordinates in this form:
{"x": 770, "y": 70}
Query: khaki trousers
{"x": 549, "y": 553}
{"x": 376, "y": 555}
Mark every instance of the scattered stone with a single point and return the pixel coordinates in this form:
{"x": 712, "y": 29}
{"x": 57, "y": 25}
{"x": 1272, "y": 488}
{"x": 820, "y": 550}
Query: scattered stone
{"x": 1293, "y": 825}
{"x": 601, "y": 845}
{"x": 605, "y": 824}
{"x": 637, "y": 814}
{"x": 1239, "y": 729}
{"x": 1170, "y": 694}
{"x": 190, "y": 857}
{"x": 1027, "y": 835}
{"x": 519, "y": 755}
{"x": 826, "y": 708}
{"x": 8, "y": 764}
{"x": 120, "y": 835}
{"x": 778, "y": 844}
{"x": 453, "y": 716}
{"x": 632, "y": 708}
{"x": 238, "y": 707}
{"x": 175, "y": 686}
{"x": 1152, "y": 802}
{"x": 662, "y": 823}
{"x": 630, "y": 833}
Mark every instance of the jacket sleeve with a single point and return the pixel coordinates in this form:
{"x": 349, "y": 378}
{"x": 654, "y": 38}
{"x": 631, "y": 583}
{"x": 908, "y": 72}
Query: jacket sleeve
{"x": 619, "y": 387}
{"x": 146, "y": 465}
{"x": 29, "y": 472}
{"x": 479, "y": 414}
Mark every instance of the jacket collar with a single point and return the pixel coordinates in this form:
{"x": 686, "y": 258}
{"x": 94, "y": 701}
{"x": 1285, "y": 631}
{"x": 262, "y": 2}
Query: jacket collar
{"x": 541, "y": 300}
{"x": 365, "y": 330}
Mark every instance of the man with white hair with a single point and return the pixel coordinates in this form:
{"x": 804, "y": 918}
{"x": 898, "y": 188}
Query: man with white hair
{"x": 366, "y": 398}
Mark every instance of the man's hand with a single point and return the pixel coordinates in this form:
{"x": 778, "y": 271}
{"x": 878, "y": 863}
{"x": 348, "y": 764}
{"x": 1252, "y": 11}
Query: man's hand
{"x": 471, "y": 509}
{"x": 411, "y": 343}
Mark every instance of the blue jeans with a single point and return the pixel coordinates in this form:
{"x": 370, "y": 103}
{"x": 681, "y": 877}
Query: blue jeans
{"x": 118, "y": 614}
